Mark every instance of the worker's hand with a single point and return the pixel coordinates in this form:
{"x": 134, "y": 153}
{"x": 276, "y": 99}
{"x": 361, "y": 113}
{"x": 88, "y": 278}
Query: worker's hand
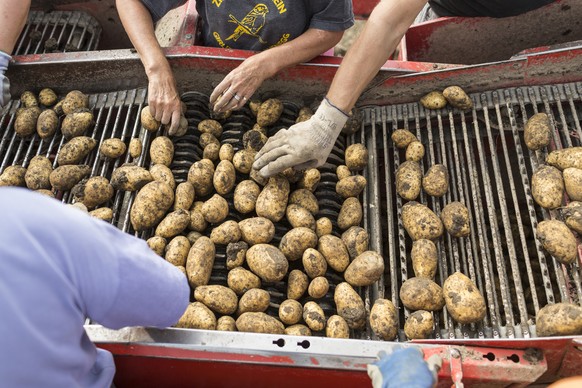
{"x": 404, "y": 368}
{"x": 4, "y": 82}
{"x": 164, "y": 101}
{"x": 303, "y": 145}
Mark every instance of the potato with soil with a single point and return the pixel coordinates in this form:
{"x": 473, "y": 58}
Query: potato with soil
{"x": 226, "y": 152}
{"x": 296, "y": 241}
{"x": 200, "y": 175}
{"x": 457, "y": 98}
{"x": 74, "y": 101}
{"x": 200, "y": 261}
{"x": 254, "y": 300}
{"x": 409, "y": 180}
{"x": 38, "y": 173}
{"x": 310, "y": 179}
{"x": 342, "y": 172}
{"x": 351, "y": 186}
{"x": 13, "y": 176}
{"x": 254, "y": 140}
{"x": 93, "y": 191}
{"x": 559, "y": 319}
{"x": 455, "y": 217}
{"x": 318, "y": 287}
{"x": 197, "y": 221}
{"x": 47, "y": 124}
{"x": 259, "y": 323}
{"x": 402, "y": 138}
{"x": 304, "y": 114}
{"x": 297, "y": 284}
{"x": 269, "y": 112}
{"x": 421, "y": 222}
{"x": 148, "y": 121}
{"x": 433, "y": 100}
{"x": 337, "y": 327}
{"x": 573, "y": 183}
{"x": 537, "y": 131}
{"x": 384, "y": 319}
{"x": 184, "y": 196}
{"x": 356, "y": 241}
{"x": 463, "y": 299}
{"x": 206, "y": 139}
{"x": 290, "y": 311}
{"x": 210, "y": 126}
{"x": 236, "y": 253}
{"x": 130, "y": 178}
{"x": 75, "y": 150}
{"x": 211, "y": 151}
{"x": 219, "y": 299}
{"x": 224, "y": 177}
{"x": 335, "y": 252}
{"x": 28, "y": 99}
{"x": 268, "y": 262}
{"x": 414, "y": 151}
{"x": 272, "y": 201}
{"x": 314, "y": 263}
{"x": 424, "y": 258}
{"x": 558, "y": 240}
{"x": 150, "y": 205}
{"x": 419, "y": 325}
{"x": 77, "y": 123}
{"x": 365, "y": 269}
{"x": 314, "y": 316}
{"x": 356, "y": 157}
{"x": 226, "y": 233}
{"x": 350, "y": 306}
{"x": 112, "y": 148}
{"x": 241, "y": 280}
{"x": 157, "y": 244}
{"x": 323, "y": 226}
{"x": 305, "y": 199}
{"x": 102, "y": 213}
{"x": 226, "y": 323}
{"x": 63, "y": 178}
{"x": 162, "y": 151}
{"x": 47, "y": 97}
{"x": 421, "y": 294}
{"x": 176, "y": 252}
{"x": 300, "y": 217}
{"x": 162, "y": 173}
{"x": 173, "y": 223}
{"x": 135, "y": 148}
{"x": 350, "y": 214}
{"x": 197, "y": 316}
{"x": 567, "y": 157}
{"x": 243, "y": 160}
{"x": 245, "y": 196}
{"x": 298, "y": 330}
{"x": 547, "y": 187}
{"x": 436, "y": 181}
{"x": 25, "y": 123}
{"x": 257, "y": 230}
{"x": 573, "y": 216}
{"x": 215, "y": 210}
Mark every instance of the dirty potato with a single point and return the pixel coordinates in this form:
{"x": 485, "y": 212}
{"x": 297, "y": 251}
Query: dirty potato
{"x": 259, "y": 323}
{"x": 200, "y": 175}
{"x": 176, "y": 252}
{"x": 74, "y": 101}
{"x": 567, "y": 157}
{"x": 135, "y": 148}
{"x": 335, "y": 252}
{"x": 421, "y": 222}
{"x": 206, "y": 139}
{"x": 310, "y": 179}
{"x": 419, "y": 325}
{"x": 236, "y": 253}
{"x": 257, "y": 230}
{"x": 342, "y": 171}
{"x": 414, "y": 151}
{"x": 318, "y": 287}
{"x": 559, "y": 319}
{"x": 297, "y": 284}
{"x": 173, "y": 223}
{"x": 28, "y": 99}
{"x": 197, "y": 221}
{"x": 457, "y": 98}
{"x": 226, "y": 323}
{"x": 220, "y": 299}
{"x": 200, "y": 261}
{"x": 210, "y": 126}
{"x": 365, "y": 269}
{"x": 356, "y": 241}
{"x": 63, "y": 178}
{"x": 537, "y": 132}
{"x": 75, "y": 150}
{"x": 226, "y": 152}
{"x": 350, "y": 214}
{"x": 268, "y": 262}
{"x": 254, "y": 300}
{"x": 38, "y": 173}
{"x": 47, "y": 97}
{"x": 384, "y": 319}
{"x": 254, "y": 140}
{"x": 305, "y": 114}
{"x": 26, "y": 121}
{"x": 211, "y": 151}
{"x": 254, "y": 106}
{"x": 93, "y": 191}
{"x": 226, "y": 233}
{"x": 314, "y": 316}
{"x": 215, "y": 210}
{"x": 77, "y": 123}
{"x": 558, "y": 240}
{"x": 424, "y": 258}
{"x": 300, "y": 217}
{"x": 409, "y": 180}
{"x": 240, "y": 280}
{"x": 455, "y": 217}
{"x": 157, "y": 244}
{"x": 350, "y": 306}
{"x": 243, "y": 160}
{"x": 272, "y": 201}
{"x": 245, "y": 196}
{"x": 436, "y": 180}
{"x": 269, "y": 112}
{"x": 305, "y": 199}
{"x": 402, "y": 138}
{"x": 337, "y": 327}
{"x": 314, "y": 263}
{"x": 573, "y": 216}
{"x": 433, "y": 100}
{"x": 162, "y": 151}
{"x": 112, "y": 148}
{"x": 102, "y": 213}
{"x": 184, "y": 196}
{"x": 224, "y": 177}
{"x": 356, "y": 157}
{"x": 354, "y": 122}
{"x": 130, "y": 178}
{"x": 351, "y": 186}
{"x": 421, "y": 294}
{"x": 290, "y": 311}
{"x": 162, "y": 173}
{"x": 296, "y": 241}
{"x": 463, "y": 299}
{"x": 547, "y": 187}
{"x": 47, "y": 124}
{"x": 323, "y": 226}
{"x": 150, "y": 205}
{"x": 573, "y": 183}
{"x": 148, "y": 121}
{"x": 197, "y": 316}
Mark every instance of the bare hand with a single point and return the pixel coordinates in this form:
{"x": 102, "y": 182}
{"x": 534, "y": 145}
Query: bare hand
{"x": 164, "y": 101}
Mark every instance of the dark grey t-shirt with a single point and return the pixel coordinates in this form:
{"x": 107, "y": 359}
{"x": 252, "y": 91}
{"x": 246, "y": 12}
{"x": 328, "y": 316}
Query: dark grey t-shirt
{"x": 490, "y": 8}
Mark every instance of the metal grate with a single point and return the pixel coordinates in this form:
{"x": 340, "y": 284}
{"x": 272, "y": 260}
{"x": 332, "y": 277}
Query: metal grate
{"x": 490, "y": 170}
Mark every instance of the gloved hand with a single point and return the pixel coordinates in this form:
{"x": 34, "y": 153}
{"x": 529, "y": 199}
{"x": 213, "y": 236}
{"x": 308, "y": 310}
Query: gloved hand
{"x": 4, "y": 82}
{"x": 303, "y": 145}
{"x": 404, "y": 368}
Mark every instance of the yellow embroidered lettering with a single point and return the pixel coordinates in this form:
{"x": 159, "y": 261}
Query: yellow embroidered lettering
{"x": 218, "y": 39}
{"x": 217, "y": 2}
{"x": 280, "y": 6}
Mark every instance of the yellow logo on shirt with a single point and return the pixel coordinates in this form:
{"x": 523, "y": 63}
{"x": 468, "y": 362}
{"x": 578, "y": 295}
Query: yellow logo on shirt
{"x": 251, "y": 24}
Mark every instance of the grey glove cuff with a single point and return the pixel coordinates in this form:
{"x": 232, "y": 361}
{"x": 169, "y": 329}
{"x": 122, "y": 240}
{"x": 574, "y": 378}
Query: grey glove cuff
{"x": 331, "y": 120}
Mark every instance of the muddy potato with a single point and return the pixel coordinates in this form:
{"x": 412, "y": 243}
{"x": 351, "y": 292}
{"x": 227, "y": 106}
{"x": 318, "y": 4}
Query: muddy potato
{"x": 419, "y": 325}
{"x": 547, "y": 187}
{"x": 173, "y": 223}
{"x": 28, "y": 99}
{"x": 421, "y": 222}
{"x": 254, "y": 140}
{"x": 310, "y": 179}
{"x": 148, "y": 121}
{"x": 197, "y": 316}
{"x": 26, "y": 121}
{"x": 241, "y": 280}
{"x": 180, "y": 130}
{"x": 254, "y": 300}
{"x": 157, "y": 244}
{"x": 559, "y": 319}
{"x": 318, "y": 287}
{"x": 335, "y": 252}
{"x": 305, "y": 199}
{"x": 200, "y": 176}
{"x": 257, "y": 230}
{"x": 197, "y": 221}
{"x": 414, "y": 151}
{"x": 38, "y": 173}
{"x": 291, "y": 174}
{"x": 402, "y": 138}
{"x": 162, "y": 151}
{"x": 162, "y": 173}
{"x": 215, "y": 210}
{"x": 564, "y": 158}
{"x": 75, "y": 150}
{"x": 192, "y": 236}
{"x": 47, "y": 97}
{"x": 63, "y": 178}
{"x": 463, "y": 299}
{"x": 210, "y": 126}
{"x": 314, "y": 316}
{"x": 424, "y": 258}
{"x": 224, "y": 177}
{"x": 457, "y": 98}
{"x": 259, "y": 323}
{"x": 305, "y": 114}
{"x": 290, "y": 311}
{"x": 226, "y": 233}
{"x": 130, "y": 178}
{"x": 573, "y": 183}
{"x": 235, "y": 254}
{"x": 573, "y": 216}
{"x": 300, "y": 217}
{"x": 245, "y": 196}
{"x": 558, "y": 240}
{"x": 365, "y": 269}
{"x": 356, "y": 157}
{"x": 350, "y": 306}
{"x": 219, "y": 299}
{"x": 272, "y": 201}
{"x": 351, "y": 186}
{"x": 47, "y": 123}
{"x": 342, "y": 171}
{"x": 384, "y": 319}
{"x": 200, "y": 261}
{"x": 297, "y": 284}
{"x": 350, "y": 214}
{"x": 260, "y": 129}
{"x": 184, "y": 196}
{"x": 436, "y": 181}
{"x": 58, "y": 108}
{"x": 206, "y": 139}
{"x": 150, "y": 205}
{"x": 455, "y": 217}
{"x": 220, "y": 115}
{"x": 433, "y": 100}
{"x": 211, "y": 152}
{"x": 135, "y": 148}
{"x": 323, "y": 226}
{"x": 226, "y": 323}
{"x": 356, "y": 241}
{"x": 421, "y": 294}
{"x": 226, "y": 152}
{"x": 176, "y": 251}
{"x": 354, "y": 122}
{"x": 537, "y": 131}
{"x": 314, "y": 263}
{"x": 243, "y": 160}
{"x": 298, "y": 330}
{"x": 112, "y": 148}
{"x": 296, "y": 241}
{"x": 102, "y": 213}
{"x": 93, "y": 191}
{"x": 409, "y": 180}
{"x": 77, "y": 123}
{"x": 269, "y": 112}
{"x": 74, "y": 101}
{"x": 254, "y": 106}
{"x": 337, "y": 327}
{"x": 268, "y": 262}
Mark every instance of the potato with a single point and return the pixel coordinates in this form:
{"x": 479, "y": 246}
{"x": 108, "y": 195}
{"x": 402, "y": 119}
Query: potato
{"x": 254, "y": 106}
{"x": 323, "y": 226}
{"x": 436, "y": 180}
{"x": 305, "y": 114}
{"x": 351, "y": 186}
{"x": 267, "y": 262}
{"x": 112, "y": 148}
{"x": 210, "y": 126}
{"x": 162, "y": 151}
{"x": 537, "y": 131}
{"x": 257, "y": 230}
{"x": 38, "y": 173}
{"x": 235, "y": 254}
{"x": 157, "y": 244}
{"x": 162, "y": 173}
{"x": 192, "y": 236}
{"x": 184, "y": 196}
{"x": 318, "y": 287}
{"x": 200, "y": 176}
{"x": 414, "y": 151}
{"x": 356, "y": 241}
{"x": 206, "y": 139}
{"x": 77, "y": 123}
{"x": 215, "y": 210}
{"x": 290, "y": 312}
{"x": 419, "y": 325}
{"x": 130, "y": 178}
{"x": 135, "y": 148}
{"x": 298, "y": 330}
{"x": 75, "y": 101}
{"x": 300, "y": 217}
{"x": 200, "y": 261}
{"x": 402, "y": 138}
{"x": 421, "y": 222}
{"x": 219, "y": 299}
{"x": 63, "y": 178}
{"x": 297, "y": 284}
{"x": 224, "y": 177}
{"x": 75, "y": 150}
{"x": 243, "y": 160}
{"x": 384, "y": 319}
{"x": 211, "y": 152}
{"x": 150, "y": 205}
{"x": 226, "y": 152}
{"x": 93, "y": 191}
{"x": 457, "y": 98}
{"x": 433, "y": 100}
{"x": 335, "y": 252}
{"x": 314, "y": 316}
{"x": 310, "y": 179}
{"x": 558, "y": 240}
{"x": 241, "y": 280}
{"x": 354, "y": 122}
{"x": 296, "y": 241}
{"x": 292, "y": 175}
{"x": 259, "y": 323}
{"x": 547, "y": 187}
{"x": 47, "y": 124}
{"x": 47, "y": 97}
{"x": 568, "y": 157}
{"x": 424, "y": 258}
{"x": 148, "y": 121}
{"x": 28, "y": 99}
{"x": 173, "y": 223}
{"x": 197, "y": 316}
{"x": 254, "y": 140}
{"x": 350, "y": 214}
{"x": 455, "y": 217}
{"x": 342, "y": 171}
{"x": 306, "y": 199}
{"x": 573, "y": 216}
{"x": 226, "y": 323}
{"x": 356, "y": 157}
{"x": 260, "y": 129}
{"x": 463, "y": 299}
{"x": 220, "y": 115}
{"x": 337, "y": 327}
{"x": 409, "y": 180}
{"x": 559, "y": 319}
{"x": 350, "y": 306}
{"x": 254, "y": 300}
{"x": 272, "y": 201}
{"x": 176, "y": 251}
{"x": 269, "y": 112}
{"x": 197, "y": 221}
{"x": 26, "y": 121}
{"x": 226, "y": 233}
{"x": 102, "y": 213}
{"x": 365, "y": 269}
{"x": 573, "y": 183}
{"x": 314, "y": 263}
{"x": 421, "y": 294}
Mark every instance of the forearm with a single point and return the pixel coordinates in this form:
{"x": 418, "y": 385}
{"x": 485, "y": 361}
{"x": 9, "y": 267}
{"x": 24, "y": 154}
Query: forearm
{"x": 13, "y": 15}
{"x": 383, "y": 31}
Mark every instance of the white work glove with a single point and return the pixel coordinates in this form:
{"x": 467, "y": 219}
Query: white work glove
{"x": 304, "y": 145}
{"x": 4, "y": 82}
{"x": 404, "y": 367}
